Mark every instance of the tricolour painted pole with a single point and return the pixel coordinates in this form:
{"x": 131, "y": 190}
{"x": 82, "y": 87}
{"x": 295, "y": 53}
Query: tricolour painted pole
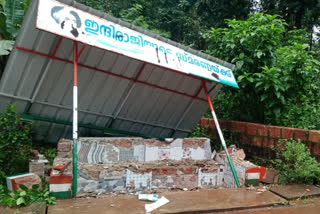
{"x": 75, "y": 120}
{"x": 221, "y": 136}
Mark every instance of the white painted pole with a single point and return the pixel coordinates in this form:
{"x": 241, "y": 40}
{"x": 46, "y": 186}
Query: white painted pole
{"x": 75, "y": 120}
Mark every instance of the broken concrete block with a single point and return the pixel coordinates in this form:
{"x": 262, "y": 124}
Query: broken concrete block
{"x": 64, "y": 145}
{"x": 252, "y": 178}
{"x": 271, "y": 176}
{"x": 35, "y": 154}
{"x": 240, "y": 166}
{"x": 60, "y": 184}
{"x": 27, "y": 179}
{"x": 58, "y": 161}
{"x": 239, "y": 154}
{"x": 36, "y": 168}
{"x": 265, "y": 175}
{"x": 135, "y": 181}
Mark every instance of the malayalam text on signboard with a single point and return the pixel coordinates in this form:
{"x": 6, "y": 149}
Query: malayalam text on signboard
{"x": 64, "y": 20}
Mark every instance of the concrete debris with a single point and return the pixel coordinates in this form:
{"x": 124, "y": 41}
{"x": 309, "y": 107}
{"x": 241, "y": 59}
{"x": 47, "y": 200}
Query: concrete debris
{"x": 150, "y": 207}
{"x": 137, "y": 165}
{"x": 258, "y": 174}
{"x": 240, "y": 154}
{"x": 213, "y": 155}
{"x": 27, "y": 179}
{"x": 37, "y": 164}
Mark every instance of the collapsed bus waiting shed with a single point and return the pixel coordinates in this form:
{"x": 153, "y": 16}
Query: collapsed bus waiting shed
{"x": 130, "y": 81}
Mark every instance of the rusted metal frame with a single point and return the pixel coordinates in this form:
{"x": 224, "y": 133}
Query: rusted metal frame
{"x": 81, "y": 50}
{"x": 191, "y": 102}
{"x": 120, "y": 105}
{"x": 44, "y": 74}
{"x": 112, "y": 74}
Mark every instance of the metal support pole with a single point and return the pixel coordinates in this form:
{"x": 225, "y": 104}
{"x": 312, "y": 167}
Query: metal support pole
{"x": 75, "y": 120}
{"x": 221, "y": 135}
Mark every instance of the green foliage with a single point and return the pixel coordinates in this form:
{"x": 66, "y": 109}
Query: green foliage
{"x": 200, "y": 132}
{"x": 215, "y": 143}
{"x": 14, "y": 10}
{"x": 296, "y": 165}
{"x": 290, "y": 89}
{"x": 26, "y": 196}
{"x": 96, "y": 4}
{"x": 15, "y": 143}
{"x": 182, "y": 21}
{"x": 6, "y": 47}
{"x": 278, "y": 77}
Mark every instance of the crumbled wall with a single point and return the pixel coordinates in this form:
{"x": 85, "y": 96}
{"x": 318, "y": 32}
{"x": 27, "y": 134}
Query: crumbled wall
{"x": 134, "y": 164}
{"x": 108, "y": 150}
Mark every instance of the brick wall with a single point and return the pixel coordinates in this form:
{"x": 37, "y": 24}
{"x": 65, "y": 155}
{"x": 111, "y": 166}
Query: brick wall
{"x": 257, "y": 139}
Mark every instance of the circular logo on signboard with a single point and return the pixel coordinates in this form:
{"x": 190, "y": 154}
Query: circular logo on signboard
{"x": 68, "y": 20}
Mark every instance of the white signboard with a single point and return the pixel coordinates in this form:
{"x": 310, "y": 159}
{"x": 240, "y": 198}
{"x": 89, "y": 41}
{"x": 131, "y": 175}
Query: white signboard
{"x": 64, "y": 20}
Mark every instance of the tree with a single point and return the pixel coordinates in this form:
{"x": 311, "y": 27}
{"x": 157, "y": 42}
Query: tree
{"x": 182, "y": 21}
{"x": 300, "y": 14}
{"x": 11, "y": 17}
{"x": 277, "y": 75}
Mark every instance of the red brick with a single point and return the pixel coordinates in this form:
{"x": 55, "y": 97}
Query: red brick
{"x": 287, "y": 133}
{"x": 36, "y": 168}
{"x": 35, "y": 154}
{"x": 251, "y": 128}
{"x": 123, "y": 143}
{"x": 314, "y": 136}
{"x": 245, "y": 139}
{"x": 316, "y": 149}
{"x": 211, "y": 124}
{"x": 274, "y": 131}
{"x": 191, "y": 142}
{"x": 167, "y": 171}
{"x": 155, "y": 142}
{"x": 241, "y": 127}
{"x": 28, "y": 181}
{"x": 300, "y": 134}
{"x": 64, "y": 145}
{"x": 262, "y": 130}
{"x": 204, "y": 122}
{"x": 280, "y": 144}
{"x": 233, "y": 126}
{"x": 60, "y": 179}
{"x": 265, "y": 142}
{"x": 270, "y": 143}
{"x": 257, "y": 141}
{"x": 213, "y": 133}
{"x": 155, "y": 171}
{"x": 309, "y": 146}
{"x": 223, "y": 124}
{"x": 187, "y": 170}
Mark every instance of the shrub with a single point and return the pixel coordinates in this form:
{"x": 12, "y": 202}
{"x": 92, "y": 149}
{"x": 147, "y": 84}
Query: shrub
{"x": 295, "y": 164}
{"x": 26, "y": 196}
{"x": 15, "y": 143}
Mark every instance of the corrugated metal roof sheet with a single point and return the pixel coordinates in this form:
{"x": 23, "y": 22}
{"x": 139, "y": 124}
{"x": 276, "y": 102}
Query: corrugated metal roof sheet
{"x": 161, "y": 103}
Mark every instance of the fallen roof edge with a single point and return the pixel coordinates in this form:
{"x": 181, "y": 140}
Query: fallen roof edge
{"x": 105, "y": 16}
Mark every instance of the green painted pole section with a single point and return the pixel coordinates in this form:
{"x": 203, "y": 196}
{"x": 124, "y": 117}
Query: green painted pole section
{"x": 75, "y": 168}
{"x": 225, "y": 148}
{"x": 233, "y": 170}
